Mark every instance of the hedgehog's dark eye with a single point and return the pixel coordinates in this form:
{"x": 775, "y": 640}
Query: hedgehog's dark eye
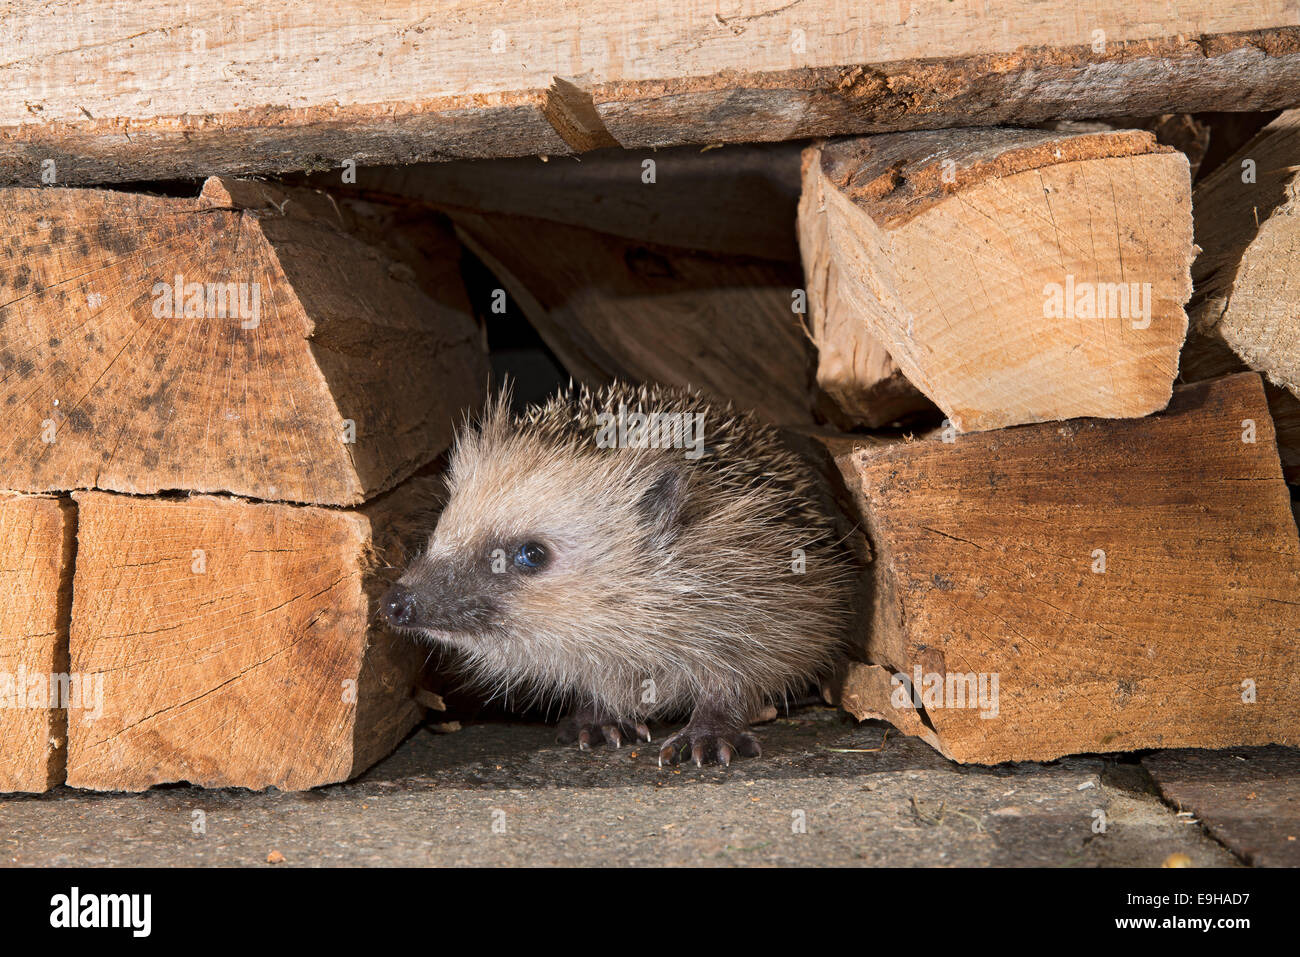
{"x": 531, "y": 555}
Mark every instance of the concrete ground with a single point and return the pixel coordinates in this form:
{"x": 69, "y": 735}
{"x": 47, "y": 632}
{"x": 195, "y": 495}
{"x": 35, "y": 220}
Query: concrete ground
{"x": 827, "y": 792}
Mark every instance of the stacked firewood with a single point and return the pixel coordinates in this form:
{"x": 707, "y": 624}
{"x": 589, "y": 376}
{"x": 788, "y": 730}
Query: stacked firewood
{"x": 1061, "y": 383}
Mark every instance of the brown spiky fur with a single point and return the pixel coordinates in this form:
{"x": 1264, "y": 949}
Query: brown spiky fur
{"x": 688, "y": 581}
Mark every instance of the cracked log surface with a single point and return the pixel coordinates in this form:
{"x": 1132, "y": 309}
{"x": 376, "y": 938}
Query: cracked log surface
{"x": 1122, "y": 579}
{"x": 235, "y": 640}
{"x": 258, "y": 87}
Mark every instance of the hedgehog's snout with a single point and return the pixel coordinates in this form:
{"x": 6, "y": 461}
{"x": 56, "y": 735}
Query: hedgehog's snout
{"x": 440, "y": 597}
{"x": 398, "y": 606}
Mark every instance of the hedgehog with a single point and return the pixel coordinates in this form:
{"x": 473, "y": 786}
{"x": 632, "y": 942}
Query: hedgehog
{"x": 633, "y": 553}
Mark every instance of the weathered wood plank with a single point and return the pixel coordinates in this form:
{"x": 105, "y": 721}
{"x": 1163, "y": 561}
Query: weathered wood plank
{"x": 218, "y": 87}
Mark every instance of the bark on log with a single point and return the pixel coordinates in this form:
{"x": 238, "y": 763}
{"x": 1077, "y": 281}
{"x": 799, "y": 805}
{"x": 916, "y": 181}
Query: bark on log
{"x": 1013, "y": 275}
{"x": 235, "y": 641}
{"x": 249, "y": 341}
{"x": 36, "y": 547}
{"x": 1129, "y": 584}
{"x": 280, "y": 85}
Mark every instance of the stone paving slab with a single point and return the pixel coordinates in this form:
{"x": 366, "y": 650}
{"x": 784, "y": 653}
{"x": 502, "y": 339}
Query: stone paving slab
{"x": 1247, "y": 798}
{"x": 506, "y": 794}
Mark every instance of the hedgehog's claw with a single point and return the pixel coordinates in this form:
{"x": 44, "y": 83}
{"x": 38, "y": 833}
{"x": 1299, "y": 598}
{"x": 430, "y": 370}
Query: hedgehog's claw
{"x": 588, "y": 728}
{"x": 708, "y": 746}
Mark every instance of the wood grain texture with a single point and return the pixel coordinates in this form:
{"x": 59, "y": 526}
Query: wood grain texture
{"x": 1012, "y": 276}
{"x": 1247, "y": 284}
{"x": 612, "y": 308}
{"x": 36, "y": 549}
{"x": 261, "y": 668}
{"x": 109, "y": 380}
{"x": 853, "y": 366}
{"x": 985, "y": 556}
{"x": 1207, "y": 356}
{"x": 237, "y": 87}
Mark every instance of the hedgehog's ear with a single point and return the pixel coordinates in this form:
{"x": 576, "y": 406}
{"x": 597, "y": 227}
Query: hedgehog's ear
{"x": 661, "y": 504}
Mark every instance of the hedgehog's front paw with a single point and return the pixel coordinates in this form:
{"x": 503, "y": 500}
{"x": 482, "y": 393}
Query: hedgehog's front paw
{"x": 587, "y": 727}
{"x": 708, "y": 743}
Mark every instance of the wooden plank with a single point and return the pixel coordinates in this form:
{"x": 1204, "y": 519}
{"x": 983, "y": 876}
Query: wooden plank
{"x": 290, "y": 323}
{"x": 36, "y": 548}
{"x": 1012, "y": 275}
{"x": 277, "y": 85}
{"x": 235, "y": 639}
{"x": 1129, "y": 584}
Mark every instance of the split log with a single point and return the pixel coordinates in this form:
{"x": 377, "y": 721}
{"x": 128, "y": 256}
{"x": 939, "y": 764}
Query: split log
{"x": 1085, "y": 586}
{"x": 235, "y": 639}
{"x": 1247, "y": 287}
{"x": 1188, "y": 134}
{"x": 283, "y": 85}
{"x": 1013, "y": 275}
{"x": 36, "y": 547}
{"x": 614, "y": 308}
{"x": 244, "y": 341}
{"x": 853, "y": 367}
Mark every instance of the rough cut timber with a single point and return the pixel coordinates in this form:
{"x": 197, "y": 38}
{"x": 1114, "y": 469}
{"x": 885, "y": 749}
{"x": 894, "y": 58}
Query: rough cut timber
{"x": 1013, "y": 275}
{"x": 235, "y": 640}
{"x": 1247, "y": 283}
{"x": 281, "y": 85}
{"x": 1128, "y": 583}
{"x": 36, "y": 546}
{"x": 245, "y": 341}
{"x": 613, "y": 308}
{"x": 853, "y": 368}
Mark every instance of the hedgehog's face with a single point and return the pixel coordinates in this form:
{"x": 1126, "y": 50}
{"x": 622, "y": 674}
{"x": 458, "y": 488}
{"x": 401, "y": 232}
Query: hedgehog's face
{"x": 532, "y": 546}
